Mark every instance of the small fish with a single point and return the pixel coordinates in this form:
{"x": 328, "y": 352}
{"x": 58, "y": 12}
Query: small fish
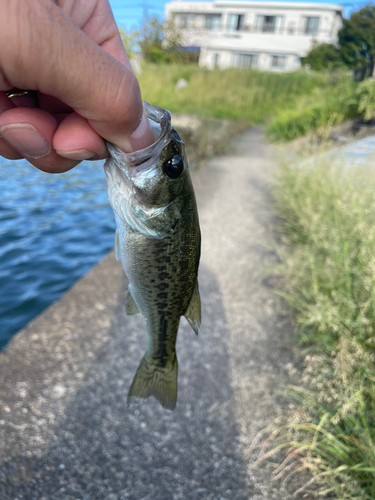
{"x": 158, "y": 241}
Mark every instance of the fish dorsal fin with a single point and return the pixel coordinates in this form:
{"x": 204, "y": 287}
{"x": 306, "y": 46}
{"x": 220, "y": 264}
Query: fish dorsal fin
{"x": 193, "y": 311}
{"x": 117, "y": 246}
{"x": 131, "y": 306}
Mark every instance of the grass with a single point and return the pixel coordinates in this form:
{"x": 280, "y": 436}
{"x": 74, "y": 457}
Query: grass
{"x": 291, "y": 104}
{"x": 328, "y": 231}
{"x": 316, "y": 112}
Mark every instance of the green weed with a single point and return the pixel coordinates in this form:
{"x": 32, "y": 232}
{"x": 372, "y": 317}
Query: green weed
{"x": 328, "y": 216}
{"x": 290, "y": 104}
{"x": 316, "y": 112}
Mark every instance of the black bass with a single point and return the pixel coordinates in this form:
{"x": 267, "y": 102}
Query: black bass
{"x": 158, "y": 241}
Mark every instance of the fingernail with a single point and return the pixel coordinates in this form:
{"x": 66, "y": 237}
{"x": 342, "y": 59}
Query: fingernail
{"x": 143, "y": 135}
{"x": 79, "y": 154}
{"x": 25, "y": 139}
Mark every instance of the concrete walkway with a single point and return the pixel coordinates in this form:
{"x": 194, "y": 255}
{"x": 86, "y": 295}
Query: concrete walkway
{"x": 65, "y": 430}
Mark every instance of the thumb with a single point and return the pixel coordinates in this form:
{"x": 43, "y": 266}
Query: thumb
{"x": 61, "y": 61}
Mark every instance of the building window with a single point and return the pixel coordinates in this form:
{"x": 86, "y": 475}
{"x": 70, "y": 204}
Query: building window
{"x": 291, "y": 28}
{"x": 311, "y": 26}
{"x": 235, "y": 22}
{"x": 268, "y": 24}
{"x": 278, "y": 62}
{"x": 187, "y": 21}
{"x": 245, "y": 60}
{"x": 216, "y": 61}
{"x": 213, "y": 22}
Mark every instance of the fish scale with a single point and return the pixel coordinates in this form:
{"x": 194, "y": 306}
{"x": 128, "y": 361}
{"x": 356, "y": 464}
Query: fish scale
{"x": 158, "y": 242}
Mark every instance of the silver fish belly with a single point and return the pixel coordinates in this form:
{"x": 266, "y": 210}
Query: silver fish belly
{"x": 158, "y": 241}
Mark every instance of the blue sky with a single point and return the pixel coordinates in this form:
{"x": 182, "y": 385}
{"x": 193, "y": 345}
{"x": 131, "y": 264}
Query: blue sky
{"x": 129, "y": 13}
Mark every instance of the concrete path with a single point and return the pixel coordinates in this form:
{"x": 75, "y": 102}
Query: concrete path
{"x": 65, "y": 430}
{"x": 358, "y": 153}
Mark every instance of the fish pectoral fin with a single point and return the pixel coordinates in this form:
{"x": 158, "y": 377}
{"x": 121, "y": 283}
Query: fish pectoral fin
{"x": 117, "y": 245}
{"x": 131, "y": 305}
{"x": 193, "y": 311}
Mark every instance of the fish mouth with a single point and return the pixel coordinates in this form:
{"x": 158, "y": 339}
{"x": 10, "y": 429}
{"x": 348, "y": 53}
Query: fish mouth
{"x": 160, "y": 121}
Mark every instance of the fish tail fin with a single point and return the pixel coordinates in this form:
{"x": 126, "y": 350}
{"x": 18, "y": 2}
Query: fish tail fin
{"x": 157, "y": 379}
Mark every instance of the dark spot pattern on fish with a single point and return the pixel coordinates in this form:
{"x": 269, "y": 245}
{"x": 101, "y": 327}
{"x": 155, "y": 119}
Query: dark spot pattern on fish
{"x": 162, "y": 353}
{"x": 162, "y": 286}
{"x": 163, "y": 276}
{"x": 162, "y": 295}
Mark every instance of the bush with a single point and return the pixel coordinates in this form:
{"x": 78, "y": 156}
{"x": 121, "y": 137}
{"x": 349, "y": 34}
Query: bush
{"x": 317, "y": 112}
{"x": 324, "y": 56}
{"x": 366, "y": 99}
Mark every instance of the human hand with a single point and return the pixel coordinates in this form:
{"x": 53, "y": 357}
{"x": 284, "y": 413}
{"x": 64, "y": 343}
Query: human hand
{"x": 70, "y": 53}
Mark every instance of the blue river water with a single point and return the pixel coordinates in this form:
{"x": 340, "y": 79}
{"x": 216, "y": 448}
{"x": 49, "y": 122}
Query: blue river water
{"x": 53, "y": 229}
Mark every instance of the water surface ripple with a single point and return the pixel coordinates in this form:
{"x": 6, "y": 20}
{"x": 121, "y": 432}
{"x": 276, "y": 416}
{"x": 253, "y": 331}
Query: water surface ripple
{"x": 53, "y": 229}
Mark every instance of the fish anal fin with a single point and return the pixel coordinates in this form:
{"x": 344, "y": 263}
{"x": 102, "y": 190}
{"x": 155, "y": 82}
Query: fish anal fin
{"x": 155, "y": 379}
{"x": 193, "y": 311}
{"x": 131, "y": 306}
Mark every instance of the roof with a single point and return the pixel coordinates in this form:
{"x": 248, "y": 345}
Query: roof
{"x": 263, "y": 5}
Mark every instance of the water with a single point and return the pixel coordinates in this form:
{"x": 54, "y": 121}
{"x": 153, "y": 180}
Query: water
{"x": 53, "y": 229}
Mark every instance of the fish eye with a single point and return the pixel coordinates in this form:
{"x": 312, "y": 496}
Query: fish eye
{"x": 174, "y": 167}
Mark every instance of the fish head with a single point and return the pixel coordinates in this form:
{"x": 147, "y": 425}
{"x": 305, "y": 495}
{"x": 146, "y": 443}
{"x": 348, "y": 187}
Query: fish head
{"x": 150, "y": 190}
{"x": 160, "y": 180}
{"x": 157, "y": 175}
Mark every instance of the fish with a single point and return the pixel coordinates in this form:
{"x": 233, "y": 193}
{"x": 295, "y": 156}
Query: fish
{"x": 158, "y": 240}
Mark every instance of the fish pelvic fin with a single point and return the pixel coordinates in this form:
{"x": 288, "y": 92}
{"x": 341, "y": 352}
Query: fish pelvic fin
{"x": 154, "y": 378}
{"x": 130, "y": 304}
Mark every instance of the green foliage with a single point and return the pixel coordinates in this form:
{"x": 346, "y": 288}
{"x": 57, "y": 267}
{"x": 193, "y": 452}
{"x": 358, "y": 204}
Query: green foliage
{"x": 366, "y": 99}
{"x": 129, "y": 41}
{"x": 324, "y": 56}
{"x": 357, "y": 37}
{"x": 317, "y": 111}
{"x": 328, "y": 229}
{"x": 161, "y": 44}
{"x": 243, "y": 94}
{"x": 150, "y": 39}
{"x": 295, "y": 103}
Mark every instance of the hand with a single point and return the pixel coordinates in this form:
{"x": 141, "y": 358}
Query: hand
{"x": 69, "y": 52}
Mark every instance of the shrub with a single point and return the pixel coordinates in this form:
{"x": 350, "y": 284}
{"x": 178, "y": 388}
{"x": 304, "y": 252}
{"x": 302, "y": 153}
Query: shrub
{"x": 366, "y": 99}
{"x": 324, "y": 56}
{"x": 316, "y": 113}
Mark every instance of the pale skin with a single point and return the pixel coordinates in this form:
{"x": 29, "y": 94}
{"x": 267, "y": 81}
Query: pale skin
{"x": 70, "y": 55}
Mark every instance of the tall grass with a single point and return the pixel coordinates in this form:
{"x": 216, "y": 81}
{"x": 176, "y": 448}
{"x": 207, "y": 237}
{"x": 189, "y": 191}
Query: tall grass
{"x": 247, "y": 95}
{"x": 328, "y": 228}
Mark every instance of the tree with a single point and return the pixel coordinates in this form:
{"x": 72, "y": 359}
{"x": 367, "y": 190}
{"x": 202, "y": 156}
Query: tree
{"x": 324, "y": 56}
{"x": 129, "y": 41}
{"x": 357, "y": 37}
{"x": 150, "y": 40}
{"x": 162, "y": 43}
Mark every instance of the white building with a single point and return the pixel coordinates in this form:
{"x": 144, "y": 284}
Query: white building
{"x": 263, "y": 35}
